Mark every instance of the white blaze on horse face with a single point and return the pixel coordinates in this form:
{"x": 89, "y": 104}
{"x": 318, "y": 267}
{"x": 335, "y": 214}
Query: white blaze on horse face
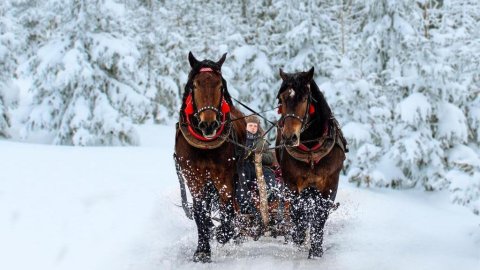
{"x": 291, "y": 93}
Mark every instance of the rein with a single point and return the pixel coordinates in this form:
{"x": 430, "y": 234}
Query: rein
{"x": 254, "y": 112}
{"x": 224, "y": 109}
{"x": 274, "y": 124}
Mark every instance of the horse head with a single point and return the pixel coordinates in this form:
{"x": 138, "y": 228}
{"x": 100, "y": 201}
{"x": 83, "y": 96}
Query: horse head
{"x": 296, "y": 104}
{"x": 208, "y": 93}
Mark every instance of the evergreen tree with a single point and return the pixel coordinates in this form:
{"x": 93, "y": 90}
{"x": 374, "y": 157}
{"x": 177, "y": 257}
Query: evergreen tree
{"x": 8, "y": 64}
{"x": 401, "y": 76}
{"x": 458, "y": 37}
{"x": 85, "y": 77}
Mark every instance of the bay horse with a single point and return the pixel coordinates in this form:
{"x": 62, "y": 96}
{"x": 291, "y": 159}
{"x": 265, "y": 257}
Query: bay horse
{"x": 204, "y": 152}
{"x": 312, "y": 156}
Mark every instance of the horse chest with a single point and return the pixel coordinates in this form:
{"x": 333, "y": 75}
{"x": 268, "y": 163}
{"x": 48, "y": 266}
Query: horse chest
{"x": 319, "y": 181}
{"x": 306, "y": 177}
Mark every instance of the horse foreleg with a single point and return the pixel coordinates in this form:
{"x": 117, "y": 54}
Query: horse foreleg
{"x": 299, "y": 219}
{"x": 202, "y": 219}
{"x": 319, "y": 217}
{"x": 225, "y": 231}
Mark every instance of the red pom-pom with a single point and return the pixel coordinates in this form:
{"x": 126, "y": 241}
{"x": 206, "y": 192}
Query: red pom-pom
{"x": 311, "y": 110}
{"x": 225, "y": 107}
{"x": 189, "y": 107}
{"x": 279, "y": 110}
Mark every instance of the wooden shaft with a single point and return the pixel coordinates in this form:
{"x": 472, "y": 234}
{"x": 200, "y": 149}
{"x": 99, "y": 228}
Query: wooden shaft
{"x": 262, "y": 188}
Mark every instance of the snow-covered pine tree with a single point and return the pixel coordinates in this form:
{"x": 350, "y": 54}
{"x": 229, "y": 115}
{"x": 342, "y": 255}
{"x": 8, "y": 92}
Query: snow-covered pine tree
{"x": 458, "y": 35}
{"x": 155, "y": 40}
{"x": 8, "y": 64}
{"x": 432, "y": 96}
{"x": 391, "y": 40}
{"x": 293, "y": 35}
{"x": 364, "y": 111}
{"x": 37, "y": 23}
{"x": 85, "y": 76}
{"x": 306, "y": 34}
{"x": 169, "y": 31}
{"x": 357, "y": 100}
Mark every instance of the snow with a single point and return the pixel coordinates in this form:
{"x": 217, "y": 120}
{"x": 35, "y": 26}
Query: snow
{"x": 243, "y": 54}
{"x": 453, "y": 123}
{"x": 356, "y": 133}
{"x": 462, "y": 154}
{"x": 114, "y": 208}
{"x": 117, "y": 8}
{"x": 383, "y": 74}
{"x": 92, "y": 74}
{"x": 414, "y": 109}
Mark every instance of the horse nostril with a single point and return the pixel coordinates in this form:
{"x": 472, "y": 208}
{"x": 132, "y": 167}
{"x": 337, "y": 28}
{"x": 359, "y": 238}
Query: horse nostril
{"x": 202, "y": 125}
{"x": 294, "y": 139}
{"x": 290, "y": 140}
{"x": 287, "y": 140}
{"x": 215, "y": 125}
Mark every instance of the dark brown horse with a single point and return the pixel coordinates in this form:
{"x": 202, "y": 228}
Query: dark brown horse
{"x": 204, "y": 153}
{"x": 312, "y": 157}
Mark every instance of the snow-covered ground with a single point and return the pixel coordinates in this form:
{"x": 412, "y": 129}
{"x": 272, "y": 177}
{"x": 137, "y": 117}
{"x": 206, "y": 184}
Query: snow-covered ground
{"x": 114, "y": 208}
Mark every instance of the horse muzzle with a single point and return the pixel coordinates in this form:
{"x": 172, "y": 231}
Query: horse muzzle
{"x": 209, "y": 128}
{"x": 291, "y": 140}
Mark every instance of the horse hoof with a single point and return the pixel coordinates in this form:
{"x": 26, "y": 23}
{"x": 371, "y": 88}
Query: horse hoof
{"x": 224, "y": 234}
{"x": 238, "y": 239}
{"x": 298, "y": 238}
{"x": 202, "y": 256}
{"x": 315, "y": 253}
{"x": 257, "y": 232}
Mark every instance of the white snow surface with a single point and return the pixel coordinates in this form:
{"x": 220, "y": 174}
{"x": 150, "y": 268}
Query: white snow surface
{"x": 414, "y": 109}
{"x": 114, "y": 208}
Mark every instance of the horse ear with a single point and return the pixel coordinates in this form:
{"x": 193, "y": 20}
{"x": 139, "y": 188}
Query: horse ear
{"x": 220, "y": 62}
{"x": 309, "y": 75}
{"x": 193, "y": 61}
{"x": 283, "y": 75}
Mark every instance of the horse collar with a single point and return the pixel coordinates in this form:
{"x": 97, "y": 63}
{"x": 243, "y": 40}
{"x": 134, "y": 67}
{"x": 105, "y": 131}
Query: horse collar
{"x": 314, "y": 148}
{"x": 313, "y": 155}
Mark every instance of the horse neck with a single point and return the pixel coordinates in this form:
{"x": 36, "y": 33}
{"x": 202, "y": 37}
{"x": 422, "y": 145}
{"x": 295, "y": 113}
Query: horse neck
{"x": 239, "y": 125}
{"x": 316, "y": 129}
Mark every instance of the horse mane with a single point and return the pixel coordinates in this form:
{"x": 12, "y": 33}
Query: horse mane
{"x": 195, "y": 70}
{"x": 320, "y": 102}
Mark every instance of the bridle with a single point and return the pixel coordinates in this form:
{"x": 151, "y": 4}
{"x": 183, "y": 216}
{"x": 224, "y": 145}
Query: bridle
{"x": 303, "y": 120}
{"x": 222, "y": 110}
{"x": 221, "y": 107}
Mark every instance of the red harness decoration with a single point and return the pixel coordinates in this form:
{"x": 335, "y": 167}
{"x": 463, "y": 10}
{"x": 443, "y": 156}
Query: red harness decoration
{"x": 189, "y": 111}
{"x": 206, "y": 69}
{"x": 316, "y": 146}
{"x": 225, "y": 108}
{"x": 189, "y": 107}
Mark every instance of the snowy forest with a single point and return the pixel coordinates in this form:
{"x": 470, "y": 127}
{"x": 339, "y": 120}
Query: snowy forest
{"x": 402, "y": 77}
